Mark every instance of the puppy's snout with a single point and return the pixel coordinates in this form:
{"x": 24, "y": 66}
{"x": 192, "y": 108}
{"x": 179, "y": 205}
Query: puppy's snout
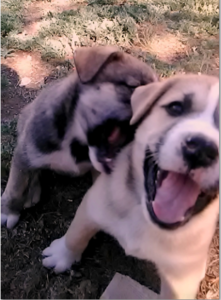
{"x": 199, "y": 151}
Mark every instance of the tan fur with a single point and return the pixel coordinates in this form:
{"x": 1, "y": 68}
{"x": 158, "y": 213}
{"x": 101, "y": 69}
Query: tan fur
{"x": 116, "y": 204}
{"x": 88, "y": 61}
{"x": 145, "y": 97}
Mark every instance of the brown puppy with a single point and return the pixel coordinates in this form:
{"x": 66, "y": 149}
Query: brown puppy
{"x": 81, "y": 119}
{"x": 161, "y": 201}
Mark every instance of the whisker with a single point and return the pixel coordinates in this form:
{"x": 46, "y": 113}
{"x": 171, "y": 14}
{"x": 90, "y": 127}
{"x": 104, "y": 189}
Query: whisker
{"x": 153, "y": 156}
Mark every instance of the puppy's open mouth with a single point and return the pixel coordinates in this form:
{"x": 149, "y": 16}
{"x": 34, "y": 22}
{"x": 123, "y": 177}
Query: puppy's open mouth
{"x": 172, "y": 197}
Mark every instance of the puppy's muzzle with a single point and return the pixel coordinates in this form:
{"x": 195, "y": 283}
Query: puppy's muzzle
{"x": 199, "y": 151}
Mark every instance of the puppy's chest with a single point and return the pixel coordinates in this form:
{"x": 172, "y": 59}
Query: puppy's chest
{"x": 140, "y": 239}
{"x": 134, "y": 235}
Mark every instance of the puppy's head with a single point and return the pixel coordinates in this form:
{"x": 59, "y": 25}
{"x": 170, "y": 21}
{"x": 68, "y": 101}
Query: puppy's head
{"x": 179, "y": 140}
{"x": 107, "y": 79}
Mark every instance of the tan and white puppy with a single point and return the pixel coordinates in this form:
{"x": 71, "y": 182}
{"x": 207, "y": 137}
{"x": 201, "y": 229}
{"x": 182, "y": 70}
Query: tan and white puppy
{"x": 161, "y": 201}
{"x": 79, "y": 121}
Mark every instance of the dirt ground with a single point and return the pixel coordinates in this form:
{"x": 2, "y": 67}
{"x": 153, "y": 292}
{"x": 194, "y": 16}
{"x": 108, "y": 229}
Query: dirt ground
{"x": 23, "y": 276}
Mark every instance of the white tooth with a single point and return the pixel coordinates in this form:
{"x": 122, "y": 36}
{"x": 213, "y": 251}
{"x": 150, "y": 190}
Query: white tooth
{"x": 182, "y": 219}
{"x": 108, "y": 159}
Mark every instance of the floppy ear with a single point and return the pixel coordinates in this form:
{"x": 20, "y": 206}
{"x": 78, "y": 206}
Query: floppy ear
{"x": 88, "y": 61}
{"x": 144, "y": 98}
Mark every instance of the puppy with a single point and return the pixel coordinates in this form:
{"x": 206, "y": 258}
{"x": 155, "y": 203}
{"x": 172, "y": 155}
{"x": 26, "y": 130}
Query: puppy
{"x": 81, "y": 119}
{"x": 161, "y": 200}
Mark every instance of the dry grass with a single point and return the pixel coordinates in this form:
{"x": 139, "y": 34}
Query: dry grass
{"x": 209, "y": 288}
{"x": 158, "y": 41}
{"x": 29, "y": 65}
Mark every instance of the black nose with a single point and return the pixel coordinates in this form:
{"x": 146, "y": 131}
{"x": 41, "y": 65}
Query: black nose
{"x": 198, "y": 151}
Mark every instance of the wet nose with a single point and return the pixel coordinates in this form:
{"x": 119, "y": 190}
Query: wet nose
{"x": 199, "y": 151}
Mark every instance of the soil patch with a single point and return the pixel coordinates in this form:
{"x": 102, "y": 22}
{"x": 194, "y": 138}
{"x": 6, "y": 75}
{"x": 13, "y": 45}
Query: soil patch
{"x": 13, "y": 97}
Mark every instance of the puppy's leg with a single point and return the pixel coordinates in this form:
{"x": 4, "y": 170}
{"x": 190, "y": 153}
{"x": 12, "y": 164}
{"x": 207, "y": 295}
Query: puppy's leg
{"x": 184, "y": 290}
{"x": 63, "y": 252}
{"x": 166, "y": 291}
{"x": 185, "y": 285}
{"x": 13, "y": 198}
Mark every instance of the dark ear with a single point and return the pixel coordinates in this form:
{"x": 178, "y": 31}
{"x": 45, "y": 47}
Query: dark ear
{"x": 88, "y": 61}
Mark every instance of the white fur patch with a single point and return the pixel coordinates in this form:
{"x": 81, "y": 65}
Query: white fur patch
{"x": 3, "y": 218}
{"x": 10, "y": 220}
{"x": 59, "y": 257}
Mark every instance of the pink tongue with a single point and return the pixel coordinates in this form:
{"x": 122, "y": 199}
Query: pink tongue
{"x": 174, "y": 197}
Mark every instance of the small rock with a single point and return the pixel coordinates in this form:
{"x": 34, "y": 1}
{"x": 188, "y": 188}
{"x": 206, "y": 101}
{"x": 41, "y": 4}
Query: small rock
{"x": 77, "y": 275}
{"x": 25, "y": 81}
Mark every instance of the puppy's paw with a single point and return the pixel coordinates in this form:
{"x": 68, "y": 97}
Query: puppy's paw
{"x": 59, "y": 257}
{"x": 9, "y": 220}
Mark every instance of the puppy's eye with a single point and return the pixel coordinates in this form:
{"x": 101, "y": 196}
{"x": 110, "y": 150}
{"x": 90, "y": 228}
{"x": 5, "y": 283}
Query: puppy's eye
{"x": 175, "y": 109}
